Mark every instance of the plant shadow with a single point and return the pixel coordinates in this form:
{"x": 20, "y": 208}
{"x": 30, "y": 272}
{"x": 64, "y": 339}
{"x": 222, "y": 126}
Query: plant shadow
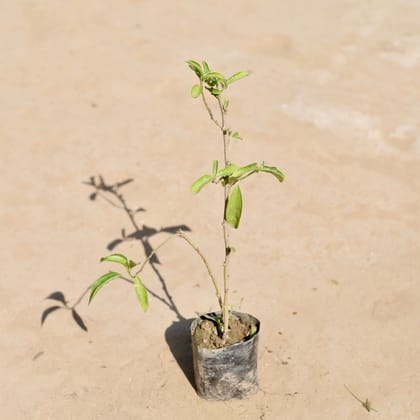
{"x": 178, "y": 334}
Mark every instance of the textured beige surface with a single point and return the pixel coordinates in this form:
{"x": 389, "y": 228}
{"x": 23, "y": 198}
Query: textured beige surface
{"x": 329, "y": 261}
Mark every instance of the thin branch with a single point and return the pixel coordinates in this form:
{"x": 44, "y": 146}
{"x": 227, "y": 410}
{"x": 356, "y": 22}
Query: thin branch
{"x": 223, "y": 128}
{"x": 81, "y": 297}
{"x": 247, "y": 175}
{"x": 182, "y": 235}
{"x": 153, "y": 253}
{"x": 155, "y": 295}
{"x": 209, "y": 110}
{"x": 210, "y": 272}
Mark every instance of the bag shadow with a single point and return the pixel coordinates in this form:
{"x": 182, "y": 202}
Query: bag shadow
{"x": 178, "y": 337}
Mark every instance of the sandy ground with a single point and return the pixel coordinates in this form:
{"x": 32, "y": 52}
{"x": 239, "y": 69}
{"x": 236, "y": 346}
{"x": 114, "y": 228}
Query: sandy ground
{"x": 328, "y": 261}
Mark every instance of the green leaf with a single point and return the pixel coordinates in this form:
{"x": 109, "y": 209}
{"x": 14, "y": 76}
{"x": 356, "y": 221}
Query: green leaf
{"x": 141, "y": 293}
{"x": 217, "y": 320}
{"x": 253, "y": 331}
{"x": 193, "y": 63}
{"x": 245, "y": 169}
{"x": 225, "y": 104}
{"x": 119, "y": 259}
{"x": 234, "y": 207}
{"x": 196, "y": 91}
{"x": 215, "y": 81}
{"x": 214, "y": 91}
{"x": 215, "y": 167}
{"x": 106, "y": 278}
{"x": 195, "y": 67}
{"x": 227, "y": 171}
{"x": 237, "y": 76}
{"x": 236, "y": 135}
{"x": 273, "y": 171}
{"x": 200, "y": 183}
{"x": 214, "y": 75}
{"x": 205, "y": 67}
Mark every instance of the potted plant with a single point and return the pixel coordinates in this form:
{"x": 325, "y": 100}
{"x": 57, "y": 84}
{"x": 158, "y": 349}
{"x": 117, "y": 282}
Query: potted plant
{"x": 224, "y": 342}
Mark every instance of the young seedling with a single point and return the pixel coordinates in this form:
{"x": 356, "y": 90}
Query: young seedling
{"x": 210, "y": 84}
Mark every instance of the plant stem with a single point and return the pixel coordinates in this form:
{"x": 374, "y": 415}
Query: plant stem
{"x": 225, "y": 227}
{"x": 209, "y": 110}
{"x": 225, "y": 310}
{"x": 182, "y": 235}
{"x": 223, "y": 129}
{"x": 150, "y": 256}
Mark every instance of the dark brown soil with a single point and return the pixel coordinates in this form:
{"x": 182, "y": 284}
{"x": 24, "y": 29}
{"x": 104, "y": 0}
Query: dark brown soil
{"x": 240, "y": 329}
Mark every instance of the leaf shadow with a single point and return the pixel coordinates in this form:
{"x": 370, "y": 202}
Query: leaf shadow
{"x": 59, "y": 297}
